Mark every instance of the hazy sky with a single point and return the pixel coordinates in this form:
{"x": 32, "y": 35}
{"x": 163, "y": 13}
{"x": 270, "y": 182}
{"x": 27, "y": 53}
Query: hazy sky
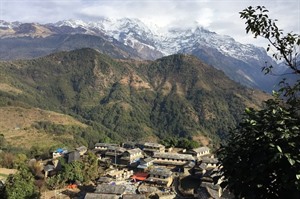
{"x": 220, "y": 16}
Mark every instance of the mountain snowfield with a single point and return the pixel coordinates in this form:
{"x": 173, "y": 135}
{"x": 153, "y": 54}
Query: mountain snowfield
{"x": 241, "y": 62}
{"x": 134, "y": 32}
{"x": 245, "y": 67}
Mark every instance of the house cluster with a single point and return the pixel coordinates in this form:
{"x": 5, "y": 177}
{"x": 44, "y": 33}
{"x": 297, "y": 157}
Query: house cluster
{"x": 140, "y": 170}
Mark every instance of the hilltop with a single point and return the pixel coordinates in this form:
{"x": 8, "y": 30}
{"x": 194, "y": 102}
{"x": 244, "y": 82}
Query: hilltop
{"x": 177, "y": 95}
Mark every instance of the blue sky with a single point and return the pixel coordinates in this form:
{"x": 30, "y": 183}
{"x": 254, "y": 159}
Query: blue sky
{"x": 220, "y": 16}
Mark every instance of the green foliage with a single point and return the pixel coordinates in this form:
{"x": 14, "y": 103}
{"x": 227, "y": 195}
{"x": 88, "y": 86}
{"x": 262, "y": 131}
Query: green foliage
{"x": 261, "y": 158}
{"x": 90, "y": 168}
{"x": 52, "y": 128}
{"x": 84, "y": 171}
{"x": 180, "y": 143}
{"x": 72, "y": 172}
{"x": 20, "y": 185}
{"x": 54, "y": 182}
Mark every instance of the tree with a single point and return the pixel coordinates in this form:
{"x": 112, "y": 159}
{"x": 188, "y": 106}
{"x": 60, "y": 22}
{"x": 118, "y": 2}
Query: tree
{"x": 284, "y": 46}
{"x": 90, "y": 167}
{"x": 20, "y": 185}
{"x": 54, "y": 182}
{"x": 72, "y": 171}
{"x": 262, "y": 158}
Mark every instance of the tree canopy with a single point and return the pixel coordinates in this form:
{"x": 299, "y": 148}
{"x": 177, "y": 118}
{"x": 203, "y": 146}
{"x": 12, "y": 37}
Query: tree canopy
{"x": 261, "y": 158}
{"x": 20, "y": 185}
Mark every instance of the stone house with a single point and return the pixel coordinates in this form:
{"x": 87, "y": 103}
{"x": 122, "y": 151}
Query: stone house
{"x": 119, "y": 175}
{"x": 150, "y": 148}
{"x": 82, "y": 150}
{"x": 160, "y": 176}
{"x": 131, "y": 156}
{"x": 199, "y": 152}
{"x": 114, "y": 153}
{"x": 172, "y": 158}
{"x": 60, "y": 152}
{"x": 103, "y": 146}
{"x": 146, "y": 163}
{"x": 117, "y": 190}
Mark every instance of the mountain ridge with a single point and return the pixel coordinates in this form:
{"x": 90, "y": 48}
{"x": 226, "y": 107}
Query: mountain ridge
{"x": 177, "y": 95}
{"x": 243, "y": 62}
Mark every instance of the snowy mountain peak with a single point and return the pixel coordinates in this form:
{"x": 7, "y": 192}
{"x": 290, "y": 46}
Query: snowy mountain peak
{"x": 5, "y": 24}
{"x": 71, "y": 23}
{"x": 149, "y": 41}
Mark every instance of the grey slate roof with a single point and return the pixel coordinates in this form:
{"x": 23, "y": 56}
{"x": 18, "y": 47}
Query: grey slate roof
{"x": 105, "y": 144}
{"x": 161, "y": 172}
{"x": 110, "y": 189}
{"x": 200, "y": 149}
{"x": 116, "y": 148}
{"x": 81, "y": 148}
{"x": 175, "y": 156}
{"x": 49, "y": 167}
{"x": 134, "y": 151}
{"x": 146, "y": 160}
{"x": 134, "y": 196}
{"x": 152, "y": 144}
{"x": 100, "y": 196}
{"x": 209, "y": 160}
{"x": 73, "y": 156}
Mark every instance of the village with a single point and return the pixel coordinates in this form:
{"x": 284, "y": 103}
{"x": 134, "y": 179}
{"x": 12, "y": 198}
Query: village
{"x": 144, "y": 170}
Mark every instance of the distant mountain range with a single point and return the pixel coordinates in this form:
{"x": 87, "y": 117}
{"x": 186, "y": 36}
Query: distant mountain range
{"x": 130, "y": 38}
{"x": 177, "y": 95}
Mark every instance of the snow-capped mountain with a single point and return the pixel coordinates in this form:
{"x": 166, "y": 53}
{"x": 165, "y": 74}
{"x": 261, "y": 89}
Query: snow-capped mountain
{"x": 241, "y": 62}
{"x": 133, "y": 31}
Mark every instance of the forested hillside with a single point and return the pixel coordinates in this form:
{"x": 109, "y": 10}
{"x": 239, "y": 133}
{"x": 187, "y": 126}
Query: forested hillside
{"x": 176, "y": 95}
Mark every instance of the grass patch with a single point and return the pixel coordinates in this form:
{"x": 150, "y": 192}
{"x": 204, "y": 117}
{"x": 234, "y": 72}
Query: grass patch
{"x": 3, "y": 175}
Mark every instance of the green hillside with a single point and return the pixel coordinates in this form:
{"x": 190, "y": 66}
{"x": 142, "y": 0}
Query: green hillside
{"x": 176, "y": 95}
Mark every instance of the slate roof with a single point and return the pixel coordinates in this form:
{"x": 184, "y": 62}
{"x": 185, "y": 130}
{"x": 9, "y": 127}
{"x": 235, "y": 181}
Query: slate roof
{"x": 110, "y": 189}
{"x": 175, "y": 156}
{"x": 161, "y": 172}
{"x": 146, "y": 160}
{"x": 116, "y": 148}
{"x": 129, "y": 145}
{"x": 105, "y": 144}
{"x": 81, "y": 148}
{"x": 201, "y": 149}
{"x": 49, "y": 167}
{"x": 152, "y": 144}
{"x": 73, "y": 156}
{"x": 134, "y": 151}
{"x": 209, "y": 160}
{"x": 134, "y": 196}
{"x": 100, "y": 196}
